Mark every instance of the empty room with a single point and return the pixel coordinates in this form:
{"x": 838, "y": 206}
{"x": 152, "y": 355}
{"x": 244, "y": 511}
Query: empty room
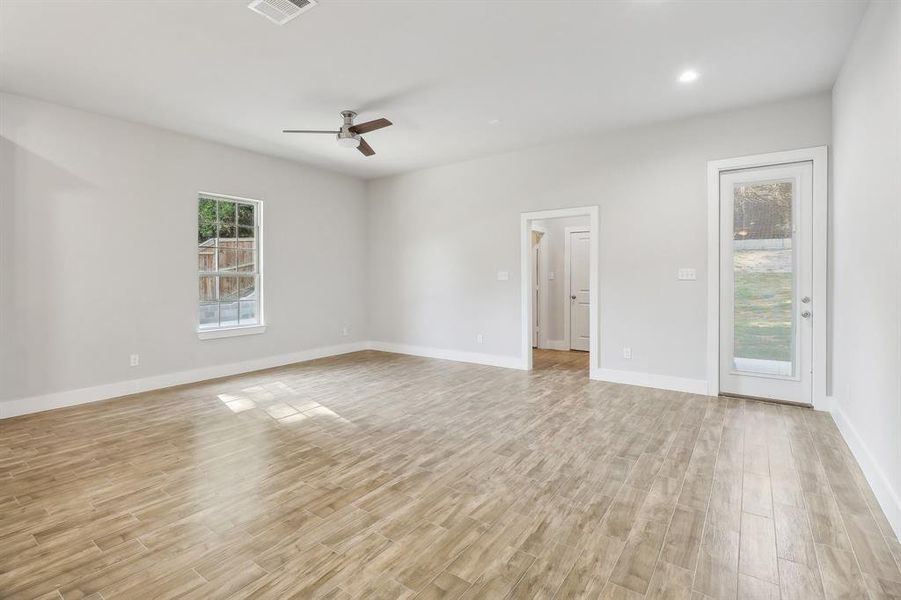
{"x": 474, "y": 299}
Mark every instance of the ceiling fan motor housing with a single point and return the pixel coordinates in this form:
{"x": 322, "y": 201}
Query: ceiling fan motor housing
{"x": 346, "y": 137}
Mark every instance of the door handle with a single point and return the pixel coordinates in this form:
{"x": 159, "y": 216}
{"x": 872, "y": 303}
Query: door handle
{"x": 571, "y": 297}
{"x": 805, "y": 299}
{"x": 806, "y": 314}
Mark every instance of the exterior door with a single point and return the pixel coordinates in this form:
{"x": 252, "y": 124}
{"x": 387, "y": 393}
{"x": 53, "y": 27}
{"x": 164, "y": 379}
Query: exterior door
{"x": 766, "y": 282}
{"x": 579, "y": 244}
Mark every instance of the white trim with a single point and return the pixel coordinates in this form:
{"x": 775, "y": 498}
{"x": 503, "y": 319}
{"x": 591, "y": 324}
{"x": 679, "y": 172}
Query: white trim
{"x": 227, "y": 197}
{"x": 651, "y": 380}
{"x": 594, "y": 355}
{"x": 544, "y": 288}
{"x": 542, "y": 284}
{"x": 567, "y": 281}
{"x": 818, "y": 156}
{"x": 492, "y": 360}
{"x": 33, "y": 404}
{"x": 888, "y": 497}
{"x": 224, "y": 332}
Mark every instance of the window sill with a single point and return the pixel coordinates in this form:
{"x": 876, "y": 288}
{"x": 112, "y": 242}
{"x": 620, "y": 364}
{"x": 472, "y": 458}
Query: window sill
{"x": 212, "y": 334}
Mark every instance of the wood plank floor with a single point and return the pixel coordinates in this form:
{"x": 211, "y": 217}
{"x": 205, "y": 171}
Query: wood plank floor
{"x": 374, "y": 475}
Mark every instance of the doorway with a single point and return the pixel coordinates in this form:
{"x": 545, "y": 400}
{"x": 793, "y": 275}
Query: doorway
{"x": 768, "y": 265}
{"x": 559, "y": 289}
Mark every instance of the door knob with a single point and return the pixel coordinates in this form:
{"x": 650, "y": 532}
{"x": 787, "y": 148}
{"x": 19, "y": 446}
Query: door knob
{"x": 805, "y": 299}
{"x": 806, "y": 314}
{"x": 572, "y": 297}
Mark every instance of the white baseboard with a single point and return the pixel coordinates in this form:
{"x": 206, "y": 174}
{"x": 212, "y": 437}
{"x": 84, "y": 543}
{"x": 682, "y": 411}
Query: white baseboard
{"x": 663, "y": 382}
{"x": 888, "y": 497}
{"x": 33, "y": 404}
{"x": 554, "y": 345}
{"x": 651, "y": 380}
{"x": 23, "y": 406}
{"x": 493, "y": 360}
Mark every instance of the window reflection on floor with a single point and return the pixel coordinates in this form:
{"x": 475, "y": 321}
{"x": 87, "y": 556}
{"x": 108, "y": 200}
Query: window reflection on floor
{"x": 271, "y": 399}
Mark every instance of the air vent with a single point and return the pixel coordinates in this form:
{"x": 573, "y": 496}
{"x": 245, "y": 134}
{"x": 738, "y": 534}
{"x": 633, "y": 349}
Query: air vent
{"x": 281, "y": 11}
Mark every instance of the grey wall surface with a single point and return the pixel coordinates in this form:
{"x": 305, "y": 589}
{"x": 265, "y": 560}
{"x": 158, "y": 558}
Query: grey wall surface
{"x": 98, "y": 250}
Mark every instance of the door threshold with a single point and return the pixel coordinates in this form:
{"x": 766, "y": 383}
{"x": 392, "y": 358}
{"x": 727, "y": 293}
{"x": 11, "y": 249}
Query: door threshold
{"x": 767, "y": 400}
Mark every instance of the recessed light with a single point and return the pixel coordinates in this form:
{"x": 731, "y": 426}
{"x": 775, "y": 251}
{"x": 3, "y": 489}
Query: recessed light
{"x": 494, "y": 121}
{"x": 688, "y": 76}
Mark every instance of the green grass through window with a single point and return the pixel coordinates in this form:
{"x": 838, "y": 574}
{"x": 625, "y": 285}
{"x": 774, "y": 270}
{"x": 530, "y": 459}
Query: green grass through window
{"x": 763, "y": 315}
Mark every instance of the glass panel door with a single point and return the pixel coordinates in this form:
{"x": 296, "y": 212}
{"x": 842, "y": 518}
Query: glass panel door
{"x": 765, "y": 282}
{"x": 763, "y": 271}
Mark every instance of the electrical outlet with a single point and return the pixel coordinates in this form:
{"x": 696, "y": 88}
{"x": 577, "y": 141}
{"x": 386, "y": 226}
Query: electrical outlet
{"x": 685, "y": 274}
{"x": 503, "y": 275}
{"x": 550, "y": 276}
{"x": 479, "y": 338}
{"x": 134, "y": 360}
{"x": 627, "y": 353}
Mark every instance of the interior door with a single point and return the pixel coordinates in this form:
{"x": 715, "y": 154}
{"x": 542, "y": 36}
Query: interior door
{"x": 579, "y": 252}
{"x": 766, "y": 282}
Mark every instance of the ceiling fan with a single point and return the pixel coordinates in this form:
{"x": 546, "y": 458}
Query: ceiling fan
{"x": 349, "y": 134}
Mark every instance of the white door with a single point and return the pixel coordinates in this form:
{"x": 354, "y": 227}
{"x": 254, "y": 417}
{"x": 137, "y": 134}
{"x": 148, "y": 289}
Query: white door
{"x": 579, "y": 244}
{"x": 766, "y": 282}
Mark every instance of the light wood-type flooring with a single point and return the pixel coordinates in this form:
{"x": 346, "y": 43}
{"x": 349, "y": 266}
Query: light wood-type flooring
{"x": 376, "y": 475}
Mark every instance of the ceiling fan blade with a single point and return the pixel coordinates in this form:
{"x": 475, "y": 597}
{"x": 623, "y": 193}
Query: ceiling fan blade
{"x": 368, "y": 126}
{"x": 308, "y": 131}
{"x": 365, "y": 148}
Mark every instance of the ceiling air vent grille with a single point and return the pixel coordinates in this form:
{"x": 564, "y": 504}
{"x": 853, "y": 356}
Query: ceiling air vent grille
{"x": 281, "y": 11}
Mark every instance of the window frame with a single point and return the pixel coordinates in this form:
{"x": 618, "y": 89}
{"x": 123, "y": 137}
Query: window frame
{"x": 208, "y": 333}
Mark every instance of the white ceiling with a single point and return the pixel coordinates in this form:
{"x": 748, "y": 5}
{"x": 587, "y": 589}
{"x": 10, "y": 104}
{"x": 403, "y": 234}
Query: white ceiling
{"x": 440, "y": 69}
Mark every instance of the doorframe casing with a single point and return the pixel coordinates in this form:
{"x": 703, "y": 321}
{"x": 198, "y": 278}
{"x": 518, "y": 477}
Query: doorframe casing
{"x": 818, "y": 156}
{"x": 541, "y": 270}
{"x": 526, "y": 286}
{"x": 567, "y": 281}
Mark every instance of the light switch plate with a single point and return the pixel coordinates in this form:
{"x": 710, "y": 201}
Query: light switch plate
{"x": 503, "y": 275}
{"x": 627, "y": 353}
{"x": 687, "y": 274}
{"x": 550, "y": 275}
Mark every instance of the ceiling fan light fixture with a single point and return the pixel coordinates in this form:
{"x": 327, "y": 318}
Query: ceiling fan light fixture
{"x": 350, "y": 141}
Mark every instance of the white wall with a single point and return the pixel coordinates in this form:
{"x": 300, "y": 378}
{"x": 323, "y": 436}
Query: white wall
{"x": 557, "y": 294}
{"x": 98, "y": 246}
{"x": 439, "y": 236}
{"x": 866, "y": 227}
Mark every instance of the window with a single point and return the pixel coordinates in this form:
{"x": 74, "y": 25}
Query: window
{"x": 229, "y": 239}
